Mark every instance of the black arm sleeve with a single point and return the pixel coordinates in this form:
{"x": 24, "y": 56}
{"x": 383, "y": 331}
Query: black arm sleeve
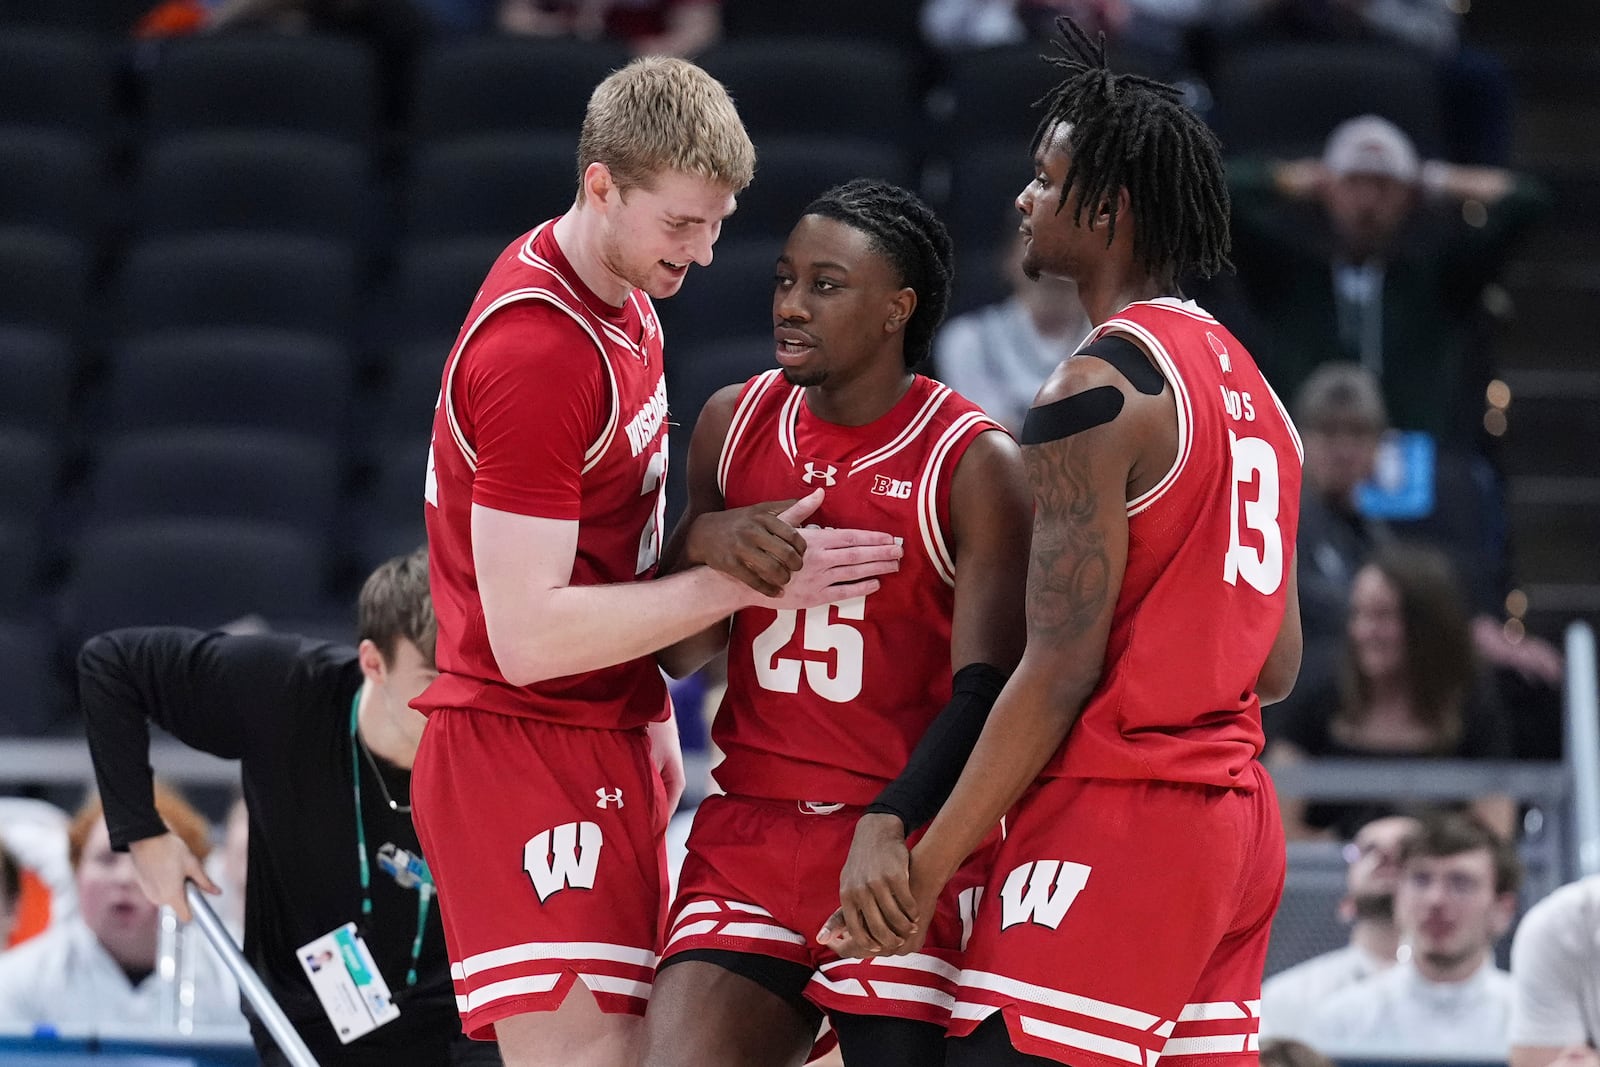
{"x": 935, "y": 764}
{"x": 216, "y": 692}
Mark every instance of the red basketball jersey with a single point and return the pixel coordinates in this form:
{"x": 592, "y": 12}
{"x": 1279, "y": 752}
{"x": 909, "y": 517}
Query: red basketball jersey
{"x": 553, "y": 404}
{"x": 1207, "y": 581}
{"x": 826, "y": 704}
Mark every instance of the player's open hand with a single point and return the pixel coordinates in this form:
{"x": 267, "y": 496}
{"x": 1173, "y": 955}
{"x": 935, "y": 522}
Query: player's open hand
{"x": 163, "y": 863}
{"x": 757, "y": 545}
{"x": 875, "y": 900}
{"x": 838, "y": 564}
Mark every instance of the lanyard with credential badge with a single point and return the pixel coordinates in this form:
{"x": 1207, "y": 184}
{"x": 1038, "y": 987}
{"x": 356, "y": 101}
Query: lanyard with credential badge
{"x": 424, "y": 887}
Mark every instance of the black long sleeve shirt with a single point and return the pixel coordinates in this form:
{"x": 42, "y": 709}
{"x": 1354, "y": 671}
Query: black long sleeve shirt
{"x": 281, "y": 705}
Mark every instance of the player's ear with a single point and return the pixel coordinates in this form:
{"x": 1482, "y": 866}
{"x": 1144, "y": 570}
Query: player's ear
{"x": 599, "y": 188}
{"x": 370, "y": 656}
{"x": 1115, "y": 206}
{"x": 901, "y": 307}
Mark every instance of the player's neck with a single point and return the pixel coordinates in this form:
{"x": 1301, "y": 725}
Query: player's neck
{"x": 579, "y": 239}
{"x": 861, "y": 400}
{"x": 384, "y": 737}
{"x": 1105, "y": 293}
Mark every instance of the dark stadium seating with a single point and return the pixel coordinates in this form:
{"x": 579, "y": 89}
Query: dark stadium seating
{"x": 30, "y": 467}
{"x": 265, "y": 281}
{"x": 197, "y": 572}
{"x": 44, "y": 280}
{"x": 268, "y": 476}
{"x": 794, "y": 170}
{"x": 1283, "y": 98}
{"x": 490, "y": 186}
{"x": 36, "y": 373}
{"x": 494, "y": 85}
{"x": 266, "y": 82}
{"x": 834, "y": 88}
{"x": 283, "y": 183}
{"x": 261, "y": 379}
{"x": 33, "y": 690}
{"x": 50, "y": 179}
{"x": 59, "y": 81}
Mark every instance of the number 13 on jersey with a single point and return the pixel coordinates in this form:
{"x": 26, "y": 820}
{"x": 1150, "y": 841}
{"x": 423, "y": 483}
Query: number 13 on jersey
{"x": 1254, "y": 461}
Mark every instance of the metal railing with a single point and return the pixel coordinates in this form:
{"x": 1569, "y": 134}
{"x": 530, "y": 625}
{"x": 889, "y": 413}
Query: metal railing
{"x": 1581, "y": 715}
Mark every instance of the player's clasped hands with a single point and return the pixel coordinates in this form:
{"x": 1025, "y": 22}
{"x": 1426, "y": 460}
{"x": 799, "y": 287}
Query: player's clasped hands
{"x": 885, "y": 899}
{"x": 764, "y": 546}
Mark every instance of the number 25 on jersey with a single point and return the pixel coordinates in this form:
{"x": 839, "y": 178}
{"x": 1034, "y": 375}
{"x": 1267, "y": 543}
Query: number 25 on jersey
{"x": 824, "y": 630}
{"x": 1254, "y": 461}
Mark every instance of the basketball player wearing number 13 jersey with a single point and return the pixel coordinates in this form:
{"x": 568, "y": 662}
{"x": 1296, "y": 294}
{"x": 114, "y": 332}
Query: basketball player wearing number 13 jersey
{"x": 1126, "y": 917}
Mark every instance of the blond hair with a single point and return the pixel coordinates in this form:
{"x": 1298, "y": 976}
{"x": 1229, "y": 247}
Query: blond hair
{"x": 663, "y": 114}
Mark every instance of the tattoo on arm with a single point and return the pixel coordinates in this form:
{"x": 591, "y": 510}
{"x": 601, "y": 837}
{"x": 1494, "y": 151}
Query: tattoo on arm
{"x": 1068, "y": 575}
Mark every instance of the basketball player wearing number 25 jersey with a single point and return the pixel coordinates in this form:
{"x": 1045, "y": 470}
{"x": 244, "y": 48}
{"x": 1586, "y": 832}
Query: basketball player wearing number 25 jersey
{"x": 825, "y": 708}
{"x": 1127, "y": 914}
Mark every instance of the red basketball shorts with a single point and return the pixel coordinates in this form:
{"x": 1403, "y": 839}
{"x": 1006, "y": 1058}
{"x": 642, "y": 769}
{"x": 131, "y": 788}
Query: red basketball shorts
{"x": 1126, "y": 921}
{"x": 546, "y": 842}
{"x": 762, "y": 876}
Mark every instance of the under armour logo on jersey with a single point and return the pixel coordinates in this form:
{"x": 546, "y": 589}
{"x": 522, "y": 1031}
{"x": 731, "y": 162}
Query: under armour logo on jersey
{"x": 826, "y": 475}
{"x": 607, "y": 799}
{"x": 1040, "y": 892}
{"x": 883, "y": 485}
{"x": 1221, "y": 352}
{"x": 564, "y": 857}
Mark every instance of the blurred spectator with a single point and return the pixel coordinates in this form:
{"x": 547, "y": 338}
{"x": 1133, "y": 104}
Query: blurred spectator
{"x": 1290, "y": 998}
{"x": 1390, "y": 271}
{"x": 10, "y": 895}
{"x": 647, "y": 27}
{"x": 1342, "y": 422}
{"x": 1555, "y": 978}
{"x": 227, "y": 866}
{"x": 35, "y": 833}
{"x": 1409, "y": 688}
{"x": 1286, "y": 1052}
{"x": 998, "y": 356}
{"x": 1445, "y": 998}
{"x": 96, "y": 970}
{"x": 1341, "y": 419}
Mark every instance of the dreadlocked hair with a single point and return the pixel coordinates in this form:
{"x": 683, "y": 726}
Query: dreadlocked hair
{"x": 1130, "y": 132}
{"x": 904, "y": 229}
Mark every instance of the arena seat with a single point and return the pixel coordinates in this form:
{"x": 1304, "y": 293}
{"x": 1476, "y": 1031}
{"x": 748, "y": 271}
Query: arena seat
{"x": 257, "y": 182}
{"x": 266, "y": 379}
{"x": 794, "y": 170}
{"x": 270, "y": 82}
{"x": 492, "y": 85}
{"x": 831, "y": 88}
{"x": 52, "y": 180}
{"x": 268, "y": 476}
{"x": 36, "y": 372}
{"x": 490, "y": 186}
{"x": 44, "y": 280}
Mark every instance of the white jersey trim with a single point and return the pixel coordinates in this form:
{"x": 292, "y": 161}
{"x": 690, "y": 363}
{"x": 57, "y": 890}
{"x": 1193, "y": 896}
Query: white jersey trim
{"x": 933, "y": 533}
{"x": 597, "y": 448}
{"x": 1184, "y": 409}
{"x": 527, "y": 255}
{"x": 930, "y": 407}
{"x": 740, "y": 423}
{"x": 555, "y": 950}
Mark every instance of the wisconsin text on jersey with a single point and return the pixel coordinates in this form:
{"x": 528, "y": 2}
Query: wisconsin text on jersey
{"x": 642, "y": 427}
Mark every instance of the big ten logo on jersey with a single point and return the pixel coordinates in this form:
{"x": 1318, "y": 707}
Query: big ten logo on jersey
{"x": 1040, "y": 892}
{"x": 563, "y": 857}
{"x": 883, "y": 485}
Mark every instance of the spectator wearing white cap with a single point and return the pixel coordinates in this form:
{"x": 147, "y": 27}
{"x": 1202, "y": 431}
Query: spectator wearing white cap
{"x": 1384, "y": 264}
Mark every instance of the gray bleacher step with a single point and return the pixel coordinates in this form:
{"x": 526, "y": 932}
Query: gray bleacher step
{"x": 1556, "y": 317}
{"x": 1555, "y": 530}
{"x": 1552, "y": 423}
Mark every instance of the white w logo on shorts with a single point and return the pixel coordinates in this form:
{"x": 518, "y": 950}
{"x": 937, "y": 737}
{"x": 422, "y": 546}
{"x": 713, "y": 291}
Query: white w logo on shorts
{"x": 1040, "y": 892}
{"x": 562, "y": 858}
